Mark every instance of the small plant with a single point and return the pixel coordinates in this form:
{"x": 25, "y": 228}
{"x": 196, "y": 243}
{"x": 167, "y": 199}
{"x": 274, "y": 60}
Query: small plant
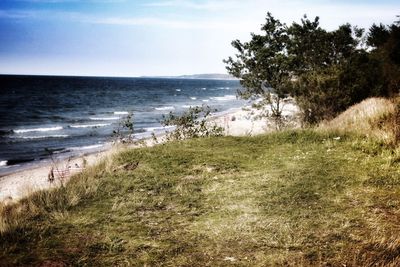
{"x": 154, "y": 138}
{"x": 271, "y": 107}
{"x": 57, "y": 173}
{"x": 193, "y": 123}
{"x": 84, "y": 163}
{"x": 125, "y": 130}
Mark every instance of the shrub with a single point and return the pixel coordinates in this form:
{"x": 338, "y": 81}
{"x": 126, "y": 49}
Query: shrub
{"x": 193, "y": 123}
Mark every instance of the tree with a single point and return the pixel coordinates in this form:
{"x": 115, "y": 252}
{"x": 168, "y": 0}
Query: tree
{"x": 307, "y": 46}
{"x": 302, "y": 60}
{"x": 378, "y": 35}
{"x": 326, "y": 71}
{"x": 386, "y": 43}
{"x": 321, "y": 87}
{"x": 262, "y": 65}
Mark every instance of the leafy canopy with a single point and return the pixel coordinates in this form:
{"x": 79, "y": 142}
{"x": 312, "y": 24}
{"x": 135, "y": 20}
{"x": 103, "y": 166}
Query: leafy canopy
{"x": 326, "y": 71}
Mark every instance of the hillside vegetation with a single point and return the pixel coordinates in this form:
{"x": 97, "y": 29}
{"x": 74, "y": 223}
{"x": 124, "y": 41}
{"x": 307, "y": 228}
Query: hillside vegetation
{"x": 289, "y": 198}
{"x": 377, "y": 118}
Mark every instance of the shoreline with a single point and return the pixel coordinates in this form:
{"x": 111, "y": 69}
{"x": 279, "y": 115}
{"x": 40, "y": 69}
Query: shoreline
{"x": 16, "y": 185}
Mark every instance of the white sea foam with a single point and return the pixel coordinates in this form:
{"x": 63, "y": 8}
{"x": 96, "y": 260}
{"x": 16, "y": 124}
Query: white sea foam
{"x": 90, "y": 125}
{"x": 3, "y": 163}
{"x": 178, "y": 90}
{"x": 104, "y": 118}
{"x": 121, "y": 112}
{"x": 48, "y": 129}
{"x": 224, "y": 98}
{"x": 186, "y": 106}
{"x": 205, "y": 100}
{"x": 203, "y": 88}
{"x": 165, "y": 108}
{"x": 85, "y": 147}
{"x": 193, "y": 98}
{"x": 41, "y": 136}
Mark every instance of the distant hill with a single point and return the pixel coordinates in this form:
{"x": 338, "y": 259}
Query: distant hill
{"x": 216, "y": 76}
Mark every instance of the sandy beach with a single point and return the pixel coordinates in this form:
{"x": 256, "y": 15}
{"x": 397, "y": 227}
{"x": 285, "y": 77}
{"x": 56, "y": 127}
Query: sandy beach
{"x": 239, "y": 122}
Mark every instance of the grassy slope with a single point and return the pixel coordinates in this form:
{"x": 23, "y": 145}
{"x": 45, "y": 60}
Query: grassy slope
{"x": 373, "y": 117}
{"x": 293, "y": 198}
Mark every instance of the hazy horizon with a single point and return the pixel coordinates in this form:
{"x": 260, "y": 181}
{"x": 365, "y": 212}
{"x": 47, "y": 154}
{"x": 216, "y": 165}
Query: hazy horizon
{"x": 123, "y": 38}
{"x": 116, "y": 76}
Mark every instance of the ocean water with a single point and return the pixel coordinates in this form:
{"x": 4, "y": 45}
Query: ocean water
{"x": 47, "y": 116}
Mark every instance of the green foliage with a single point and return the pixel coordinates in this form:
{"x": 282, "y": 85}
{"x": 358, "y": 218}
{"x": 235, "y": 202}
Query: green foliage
{"x": 322, "y": 94}
{"x": 378, "y": 35}
{"x": 316, "y": 94}
{"x": 261, "y": 66}
{"x": 386, "y": 41}
{"x": 326, "y": 71}
{"x": 193, "y": 123}
{"x": 326, "y": 79}
{"x": 312, "y": 48}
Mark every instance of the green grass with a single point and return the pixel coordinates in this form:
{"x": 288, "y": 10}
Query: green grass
{"x": 292, "y": 198}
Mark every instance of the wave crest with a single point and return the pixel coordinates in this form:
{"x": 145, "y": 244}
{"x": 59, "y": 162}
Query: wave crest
{"x": 165, "y": 108}
{"x": 41, "y": 136}
{"x": 47, "y": 129}
{"x": 223, "y": 98}
{"x": 89, "y": 125}
{"x": 103, "y": 118}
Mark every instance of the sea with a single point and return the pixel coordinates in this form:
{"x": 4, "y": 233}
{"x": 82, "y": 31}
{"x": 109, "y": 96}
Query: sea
{"x": 47, "y": 118}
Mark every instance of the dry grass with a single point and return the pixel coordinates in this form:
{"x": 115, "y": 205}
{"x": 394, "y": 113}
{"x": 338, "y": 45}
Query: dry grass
{"x": 296, "y": 198}
{"x": 373, "y": 118}
{"x": 287, "y": 199}
{"x": 51, "y": 202}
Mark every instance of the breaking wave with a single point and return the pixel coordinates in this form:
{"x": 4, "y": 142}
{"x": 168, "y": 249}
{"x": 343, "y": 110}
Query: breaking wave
{"x": 48, "y": 129}
{"x": 89, "y": 125}
{"x": 104, "y": 118}
{"x": 40, "y": 136}
{"x": 223, "y": 98}
{"x": 165, "y": 108}
{"x": 121, "y": 112}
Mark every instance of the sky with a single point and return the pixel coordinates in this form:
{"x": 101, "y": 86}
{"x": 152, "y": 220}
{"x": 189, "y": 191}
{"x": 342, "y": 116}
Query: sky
{"x": 154, "y": 37}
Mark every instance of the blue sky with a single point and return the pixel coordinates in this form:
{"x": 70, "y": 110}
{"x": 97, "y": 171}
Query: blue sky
{"x": 154, "y": 37}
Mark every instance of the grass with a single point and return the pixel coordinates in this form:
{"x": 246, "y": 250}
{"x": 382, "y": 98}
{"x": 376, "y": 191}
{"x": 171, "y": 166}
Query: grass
{"x": 295, "y": 198}
{"x": 377, "y": 118}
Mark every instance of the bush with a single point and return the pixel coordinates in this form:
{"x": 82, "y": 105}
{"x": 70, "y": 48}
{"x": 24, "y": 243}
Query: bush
{"x": 193, "y": 123}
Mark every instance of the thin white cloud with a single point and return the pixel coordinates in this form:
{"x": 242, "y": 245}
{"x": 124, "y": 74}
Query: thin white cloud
{"x": 168, "y": 23}
{"x": 205, "y": 5}
{"x": 122, "y": 21}
{"x": 243, "y": 18}
{"x": 18, "y": 14}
